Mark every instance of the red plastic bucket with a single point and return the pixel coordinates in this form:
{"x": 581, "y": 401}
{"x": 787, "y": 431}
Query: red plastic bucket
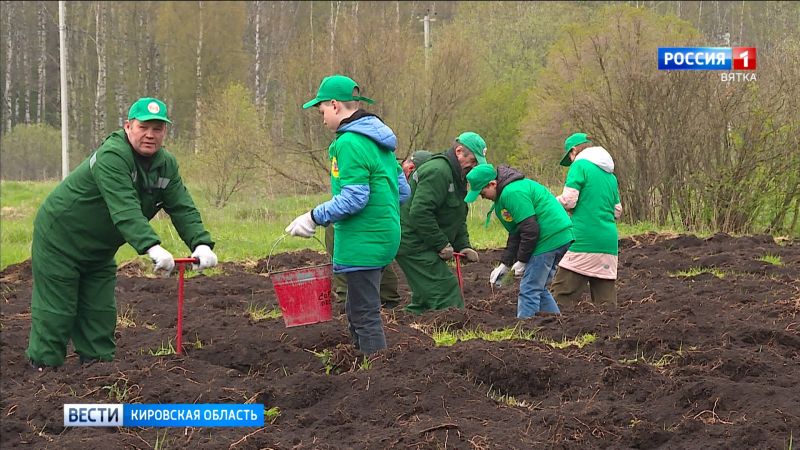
{"x": 304, "y": 295}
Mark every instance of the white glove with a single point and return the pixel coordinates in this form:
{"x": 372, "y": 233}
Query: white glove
{"x": 303, "y": 226}
{"x": 205, "y": 255}
{"x": 498, "y": 272}
{"x": 162, "y": 259}
{"x": 470, "y": 254}
{"x": 519, "y": 268}
{"x": 446, "y": 253}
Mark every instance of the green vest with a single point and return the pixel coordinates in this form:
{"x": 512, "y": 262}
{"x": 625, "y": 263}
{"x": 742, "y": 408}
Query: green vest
{"x": 369, "y": 238}
{"x": 593, "y": 217}
{"x": 526, "y": 198}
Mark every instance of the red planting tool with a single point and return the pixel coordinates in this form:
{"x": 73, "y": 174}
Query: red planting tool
{"x": 180, "y": 262}
{"x": 458, "y": 256}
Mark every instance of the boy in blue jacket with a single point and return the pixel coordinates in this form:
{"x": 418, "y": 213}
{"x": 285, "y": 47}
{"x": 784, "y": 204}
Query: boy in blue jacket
{"x": 366, "y": 183}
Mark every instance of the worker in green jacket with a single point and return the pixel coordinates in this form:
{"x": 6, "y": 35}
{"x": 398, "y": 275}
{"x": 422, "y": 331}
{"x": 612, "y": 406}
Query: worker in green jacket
{"x": 390, "y": 294}
{"x": 106, "y": 201}
{"x": 434, "y": 225}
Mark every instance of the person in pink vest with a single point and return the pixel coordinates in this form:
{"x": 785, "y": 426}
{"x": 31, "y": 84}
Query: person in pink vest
{"x": 591, "y": 195}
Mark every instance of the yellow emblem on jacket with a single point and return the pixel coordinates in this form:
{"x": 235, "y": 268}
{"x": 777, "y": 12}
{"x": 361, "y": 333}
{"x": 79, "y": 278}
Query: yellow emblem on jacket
{"x": 334, "y": 168}
{"x": 506, "y": 215}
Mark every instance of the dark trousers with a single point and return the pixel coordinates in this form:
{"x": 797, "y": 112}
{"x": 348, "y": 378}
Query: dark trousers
{"x": 363, "y": 309}
{"x": 390, "y": 295}
{"x": 568, "y": 286}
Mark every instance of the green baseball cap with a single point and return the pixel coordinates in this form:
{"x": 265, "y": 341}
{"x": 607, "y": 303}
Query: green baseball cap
{"x": 475, "y": 144}
{"x": 570, "y": 143}
{"x": 148, "y": 108}
{"x": 478, "y": 178}
{"x": 336, "y": 87}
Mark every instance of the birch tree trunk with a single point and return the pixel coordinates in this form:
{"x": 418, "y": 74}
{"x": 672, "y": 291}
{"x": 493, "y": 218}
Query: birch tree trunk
{"x": 166, "y": 86}
{"x": 741, "y": 25}
{"x": 257, "y": 80}
{"x": 100, "y": 92}
{"x": 142, "y": 58}
{"x": 699, "y": 14}
{"x": 334, "y": 20}
{"x": 78, "y": 84}
{"x": 199, "y": 85}
{"x": 9, "y": 38}
{"x": 311, "y": 27}
{"x": 121, "y": 92}
{"x": 355, "y": 20}
{"x": 397, "y": 17}
{"x": 276, "y": 17}
{"x": 156, "y": 57}
{"x": 41, "y": 95}
{"x": 26, "y": 78}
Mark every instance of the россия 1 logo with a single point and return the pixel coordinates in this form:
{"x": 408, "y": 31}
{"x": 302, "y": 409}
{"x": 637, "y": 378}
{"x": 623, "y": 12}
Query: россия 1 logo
{"x": 711, "y": 58}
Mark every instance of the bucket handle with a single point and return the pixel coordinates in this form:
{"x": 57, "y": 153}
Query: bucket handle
{"x": 281, "y": 238}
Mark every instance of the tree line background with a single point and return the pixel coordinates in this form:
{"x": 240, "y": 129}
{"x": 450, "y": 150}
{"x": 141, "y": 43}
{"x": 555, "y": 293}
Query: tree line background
{"x": 690, "y": 149}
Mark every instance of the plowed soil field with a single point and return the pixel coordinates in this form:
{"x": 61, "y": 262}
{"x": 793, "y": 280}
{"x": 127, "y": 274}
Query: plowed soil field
{"x": 703, "y": 359}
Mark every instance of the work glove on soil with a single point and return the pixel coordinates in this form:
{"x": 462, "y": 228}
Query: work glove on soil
{"x": 519, "y": 268}
{"x": 162, "y": 259}
{"x": 446, "y": 253}
{"x": 302, "y": 226}
{"x": 498, "y": 272}
{"x": 470, "y": 254}
{"x": 205, "y": 255}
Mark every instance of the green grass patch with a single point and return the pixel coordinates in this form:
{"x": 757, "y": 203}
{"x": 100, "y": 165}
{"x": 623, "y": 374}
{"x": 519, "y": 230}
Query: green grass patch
{"x": 326, "y": 357}
{"x": 636, "y": 228}
{"x": 775, "y": 260}
{"x": 240, "y": 236}
{"x": 658, "y": 362}
{"x": 212, "y": 272}
{"x": 506, "y": 399}
{"x": 163, "y": 350}
{"x": 365, "y": 363}
{"x": 258, "y": 312}
{"x": 19, "y": 201}
{"x": 580, "y": 341}
{"x": 118, "y": 392}
{"x": 443, "y": 336}
{"x": 272, "y": 414}
{"x": 161, "y": 440}
{"x": 498, "y": 395}
{"x": 244, "y": 230}
{"x": 197, "y": 344}
{"x": 125, "y": 320}
{"x": 695, "y": 271}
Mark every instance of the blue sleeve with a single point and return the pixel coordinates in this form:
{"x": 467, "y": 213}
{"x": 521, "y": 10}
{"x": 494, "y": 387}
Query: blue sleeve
{"x": 403, "y": 187}
{"x": 352, "y": 199}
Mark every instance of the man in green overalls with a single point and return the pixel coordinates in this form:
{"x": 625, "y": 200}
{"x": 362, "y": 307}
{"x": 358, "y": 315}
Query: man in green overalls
{"x": 106, "y": 201}
{"x": 434, "y": 225}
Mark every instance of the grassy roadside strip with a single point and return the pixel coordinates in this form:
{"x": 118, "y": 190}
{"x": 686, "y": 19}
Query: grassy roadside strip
{"x": 243, "y": 230}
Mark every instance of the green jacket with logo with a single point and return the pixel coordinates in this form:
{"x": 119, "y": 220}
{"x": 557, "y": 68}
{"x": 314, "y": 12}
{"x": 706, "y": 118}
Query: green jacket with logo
{"x": 369, "y": 238}
{"x": 110, "y": 198}
{"x": 436, "y": 213}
